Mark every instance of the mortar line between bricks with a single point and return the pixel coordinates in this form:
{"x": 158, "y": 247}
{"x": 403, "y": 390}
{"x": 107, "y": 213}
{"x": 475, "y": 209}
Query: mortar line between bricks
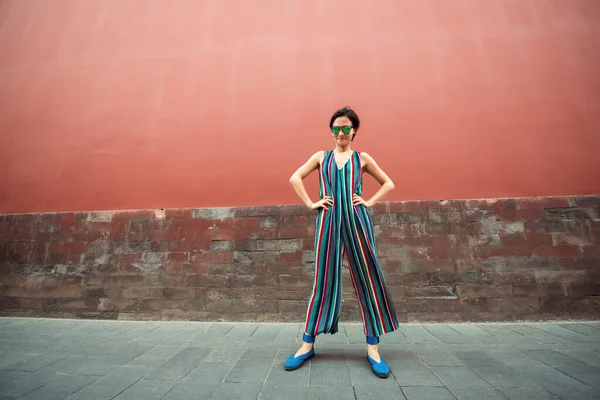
{"x": 550, "y": 333}
{"x": 308, "y": 384}
{"x": 432, "y": 334}
{"x": 151, "y": 330}
{"x": 499, "y": 337}
{"x": 118, "y": 394}
{"x": 573, "y": 358}
{"x": 255, "y": 329}
{"x": 573, "y": 330}
{"x": 350, "y": 371}
{"x": 397, "y": 383}
{"x": 262, "y": 387}
{"x": 232, "y": 326}
{"x": 487, "y": 382}
{"x": 563, "y": 373}
{"x": 448, "y": 326}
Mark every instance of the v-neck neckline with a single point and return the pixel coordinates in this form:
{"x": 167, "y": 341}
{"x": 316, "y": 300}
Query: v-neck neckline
{"x": 336, "y": 163}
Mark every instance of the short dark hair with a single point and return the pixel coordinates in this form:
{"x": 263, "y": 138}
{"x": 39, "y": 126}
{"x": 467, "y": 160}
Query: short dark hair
{"x": 348, "y": 113}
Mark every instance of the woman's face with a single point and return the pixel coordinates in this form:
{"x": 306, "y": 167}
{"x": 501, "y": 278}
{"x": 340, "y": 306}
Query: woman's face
{"x": 340, "y": 125}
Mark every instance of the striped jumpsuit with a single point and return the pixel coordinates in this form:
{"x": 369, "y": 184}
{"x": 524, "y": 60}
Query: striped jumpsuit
{"x": 346, "y": 228}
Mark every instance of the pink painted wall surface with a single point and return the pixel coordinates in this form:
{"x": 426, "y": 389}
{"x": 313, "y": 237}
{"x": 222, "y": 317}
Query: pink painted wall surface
{"x": 108, "y": 104}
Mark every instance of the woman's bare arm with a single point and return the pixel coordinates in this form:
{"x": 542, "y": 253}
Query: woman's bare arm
{"x": 376, "y": 172}
{"x": 306, "y": 169}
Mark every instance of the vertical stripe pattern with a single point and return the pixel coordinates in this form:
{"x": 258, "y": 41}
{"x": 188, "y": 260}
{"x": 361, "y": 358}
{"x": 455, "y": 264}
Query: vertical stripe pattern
{"x": 346, "y": 228}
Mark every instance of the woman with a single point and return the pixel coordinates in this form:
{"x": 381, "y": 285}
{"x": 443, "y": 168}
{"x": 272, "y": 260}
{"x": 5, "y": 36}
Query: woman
{"x": 344, "y": 226}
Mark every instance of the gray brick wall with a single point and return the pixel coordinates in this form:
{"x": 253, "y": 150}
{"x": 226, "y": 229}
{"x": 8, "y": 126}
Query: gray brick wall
{"x": 468, "y": 260}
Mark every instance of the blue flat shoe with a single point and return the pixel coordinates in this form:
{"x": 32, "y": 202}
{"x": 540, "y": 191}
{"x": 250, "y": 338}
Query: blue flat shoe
{"x": 293, "y": 362}
{"x": 381, "y": 368}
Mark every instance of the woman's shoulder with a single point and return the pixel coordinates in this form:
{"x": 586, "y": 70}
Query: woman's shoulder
{"x": 365, "y": 158}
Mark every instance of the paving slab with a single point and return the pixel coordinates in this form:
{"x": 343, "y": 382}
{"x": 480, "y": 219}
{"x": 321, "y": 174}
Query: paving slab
{"x": 44, "y": 358}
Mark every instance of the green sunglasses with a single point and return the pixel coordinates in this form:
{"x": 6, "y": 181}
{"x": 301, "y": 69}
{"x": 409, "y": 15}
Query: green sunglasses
{"x": 346, "y": 129}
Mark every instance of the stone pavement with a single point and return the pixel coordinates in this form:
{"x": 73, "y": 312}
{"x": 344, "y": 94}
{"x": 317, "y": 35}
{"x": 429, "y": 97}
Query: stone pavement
{"x": 87, "y": 359}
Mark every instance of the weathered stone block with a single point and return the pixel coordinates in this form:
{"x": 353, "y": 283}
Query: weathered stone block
{"x": 470, "y": 291}
{"x": 214, "y": 213}
{"x": 430, "y": 292}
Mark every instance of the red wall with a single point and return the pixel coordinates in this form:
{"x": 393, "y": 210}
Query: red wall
{"x": 108, "y": 104}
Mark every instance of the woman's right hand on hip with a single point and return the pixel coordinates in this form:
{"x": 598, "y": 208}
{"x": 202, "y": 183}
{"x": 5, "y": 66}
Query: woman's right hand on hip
{"x": 323, "y": 203}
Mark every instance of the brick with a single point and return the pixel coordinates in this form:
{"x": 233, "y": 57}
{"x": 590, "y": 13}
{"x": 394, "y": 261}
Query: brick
{"x": 214, "y": 213}
{"x": 189, "y": 243}
{"x": 296, "y": 232}
{"x": 490, "y": 204}
{"x": 571, "y": 214}
{"x": 118, "y": 230}
{"x": 592, "y": 251}
{"x": 281, "y": 245}
{"x": 560, "y": 276}
{"x": 143, "y": 292}
{"x": 531, "y": 263}
{"x": 513, "y": 306}
{"x": 517, "y": 239}
{"x": 469, "y": 291}
{"x": 226, "y": 269}
{"x": 429, "y": 204}
{"x": 512, "y": 227}
{"x": 415, "y": 217}
{"x": 263, "y": 211}
{"x": 469, "y": 265}
{"x": 100, "y": 216}
{"x": 436, "y": 241}
{"x": 154, "y": 257}
{"x": 270, "y": 222}
{"x": 584, "y": 201}
{"x": 559, "y": 251}
{"x": 431, "y": 216}
{"x": 125, "y": 247}
{"x": 490, "y": 239}
{"x": 564, "y": 238}
{"x": 451, "y": 205}
{"x": 208, "y": 257}
{"x": 513, "y": 215}
{"x": 408, "y": 266}
{"x": 467, "y": 306}
{"x": 437, "y": 317}
{"x": 481, "y": 222}
{"x": 537, "y": 290}
{"x": 508, "y": 278}
{"x": 392, "y": 231}
{"x": 430, "y": 292}
{"x": 406, "y": 253}
{"x": 308, "y": 244}
{"x": 590, "y": 264}
{"x": 503, "y": 251}
{"x": 575, "y": 306}
{"x": 409, "y": 279}
{"x": 255, "y": 257}
{"x": 299, "y": 220}
{"x": 582, "y": 289}
{"x": 292, "y": 256}
{"x": 391, "y": 242}
{"x": 263, "y": 233}
{"x": 436, "y": 279}
{"x": 403, "y": 206}
{"x": 179, "y": 213}
{"x": 542, "y": 202}
{"x": 222, "y": 245}
{"x": 293, "y": 210}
